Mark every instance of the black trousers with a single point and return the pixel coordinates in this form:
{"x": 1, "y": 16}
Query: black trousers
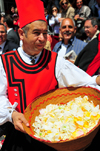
{"x": 18, "y": 141}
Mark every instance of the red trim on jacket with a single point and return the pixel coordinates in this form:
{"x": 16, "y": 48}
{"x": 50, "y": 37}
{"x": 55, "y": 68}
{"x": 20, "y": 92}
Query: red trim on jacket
{"x": 26, "y": 82}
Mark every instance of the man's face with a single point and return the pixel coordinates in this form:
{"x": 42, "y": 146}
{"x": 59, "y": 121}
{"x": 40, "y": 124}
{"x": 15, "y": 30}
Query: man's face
{"x": 3, "y": 34}
{"x": 12, "y": 9}
{"x": 79, "y": 3}
{"x": 36, "y": 38}
{"x": 90, "y": 30}
{"x": 67, "y": 29}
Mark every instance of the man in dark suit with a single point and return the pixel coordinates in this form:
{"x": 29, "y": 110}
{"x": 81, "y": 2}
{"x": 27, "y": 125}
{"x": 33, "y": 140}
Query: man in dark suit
{"x": 89, "y": 58}
{"x": 11, "y": 34}
{"x": 5, "y": 45}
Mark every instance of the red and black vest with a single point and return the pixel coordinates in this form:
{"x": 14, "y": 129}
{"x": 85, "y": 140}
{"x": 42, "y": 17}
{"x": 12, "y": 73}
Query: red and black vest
{"x": 26, "y": 82}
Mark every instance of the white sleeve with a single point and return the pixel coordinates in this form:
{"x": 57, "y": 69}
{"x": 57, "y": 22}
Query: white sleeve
{"x": 52, "y": 21}
{"x": 69, "y": 75}
{"x": 5, "y": 112}
{"x": 58, "y": 16}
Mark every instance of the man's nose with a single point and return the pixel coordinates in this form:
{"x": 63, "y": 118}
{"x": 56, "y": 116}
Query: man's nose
{"x": 0, "y": 33}
{"x": 41, "y": 37}
{"x": 67, "y": 28}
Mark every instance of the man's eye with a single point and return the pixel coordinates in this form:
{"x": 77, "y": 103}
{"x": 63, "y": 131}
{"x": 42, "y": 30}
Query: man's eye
{"x": 36, "y": 33}
{"x": 70, "y": 26}
{"x": 45, "y": 34}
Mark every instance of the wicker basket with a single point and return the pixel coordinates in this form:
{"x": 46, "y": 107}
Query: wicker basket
{"x": 62, "y": 96}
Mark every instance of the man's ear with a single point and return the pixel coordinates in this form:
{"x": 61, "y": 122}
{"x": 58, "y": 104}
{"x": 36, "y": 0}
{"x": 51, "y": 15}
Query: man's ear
{"x": 75, "y": 29}
{"x": 5, "y": 24}
{"x": 21, "y": 33}
{"x": 96, "y": 27}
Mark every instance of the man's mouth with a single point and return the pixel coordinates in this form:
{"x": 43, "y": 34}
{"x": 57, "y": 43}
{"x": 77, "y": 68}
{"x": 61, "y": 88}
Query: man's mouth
{"x": 40, "y": 45}
{"x": 67, "y": 33}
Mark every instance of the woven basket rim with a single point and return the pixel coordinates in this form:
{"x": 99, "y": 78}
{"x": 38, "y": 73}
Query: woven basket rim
{"x": 67, "y": 140}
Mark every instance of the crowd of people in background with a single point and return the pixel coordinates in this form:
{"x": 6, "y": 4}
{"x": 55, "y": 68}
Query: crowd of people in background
{"x": 55, "y": 11}
{"x": 73, "y": 31}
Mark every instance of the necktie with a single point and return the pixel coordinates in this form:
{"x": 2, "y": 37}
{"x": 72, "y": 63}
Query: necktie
{"x": 32, "y": 60}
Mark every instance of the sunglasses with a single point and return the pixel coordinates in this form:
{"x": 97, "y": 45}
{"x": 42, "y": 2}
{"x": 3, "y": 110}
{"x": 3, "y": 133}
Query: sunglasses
{"x": 54, "y": 10}
{"x": 64, "y": 3}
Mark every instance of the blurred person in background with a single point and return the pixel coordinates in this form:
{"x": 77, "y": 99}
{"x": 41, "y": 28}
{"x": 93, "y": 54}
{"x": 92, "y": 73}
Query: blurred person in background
{"x": 81, "y": 13}
{"x": 46, "y": 14}
{"x": 11, "y": 34}
{"x": 16, "y": 20}
{"x": 66, "y": 9}
{"x": 89, "y": 58}
{"x": 54, "y": 22}
{"x": 2, "y": 18}
{"x": 12, "y": 10}
{"x": 91, "y": 28}
{"x": 5, "y": 44}
{"x": 70, "y": 44}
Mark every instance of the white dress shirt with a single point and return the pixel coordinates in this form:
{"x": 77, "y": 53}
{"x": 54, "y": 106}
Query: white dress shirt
{"x": 67, "y": 75}
{"x": 9, "y": 30}
{"x": 63, "y": 50}
{"x": 2, "y": 47}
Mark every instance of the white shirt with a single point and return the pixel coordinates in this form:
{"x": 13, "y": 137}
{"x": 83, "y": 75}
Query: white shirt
{"x": 9, "y": 30}
{"x": 62, "y": 51}
{"x": 2, "y": 47}
{"x": 67, "y": 75}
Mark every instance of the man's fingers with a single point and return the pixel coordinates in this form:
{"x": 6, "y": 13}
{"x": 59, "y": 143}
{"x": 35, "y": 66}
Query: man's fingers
{"x": 24, "y": 121}
{"x": 18, "y": 119}
{"x": 20, "y": 128}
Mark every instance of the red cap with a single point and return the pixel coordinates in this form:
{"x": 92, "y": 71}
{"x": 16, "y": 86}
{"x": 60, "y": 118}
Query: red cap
{"x": 29, "y": 11}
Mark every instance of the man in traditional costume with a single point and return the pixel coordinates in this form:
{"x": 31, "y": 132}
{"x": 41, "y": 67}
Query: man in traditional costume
{"x": 29, "y": 72}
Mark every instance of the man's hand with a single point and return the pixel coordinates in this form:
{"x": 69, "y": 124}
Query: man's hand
{"x": 18, "y": 119}
{"x": 98, "y": 80}
{"x": 76, "y": 17}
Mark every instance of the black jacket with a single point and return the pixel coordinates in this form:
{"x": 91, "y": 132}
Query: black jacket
{"x": 9, "y": 46}
{"x": 86, "y": 56}
{"x": 13, "y": 36}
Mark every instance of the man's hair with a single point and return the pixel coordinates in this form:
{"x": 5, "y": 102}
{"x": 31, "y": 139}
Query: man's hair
{"x": 68, "y": 18}
{"x": 26, "y": 28}
{"x": 9, "y": 21}
{"x": 94, "y": 20}
{"x": 4, "y": 27}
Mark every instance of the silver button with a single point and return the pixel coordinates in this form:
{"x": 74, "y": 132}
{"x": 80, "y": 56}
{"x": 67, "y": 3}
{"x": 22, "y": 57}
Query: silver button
{"x": 10, "y": 111}
{"x": 15, "y": 90}
{"x": 16, "y": 94}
